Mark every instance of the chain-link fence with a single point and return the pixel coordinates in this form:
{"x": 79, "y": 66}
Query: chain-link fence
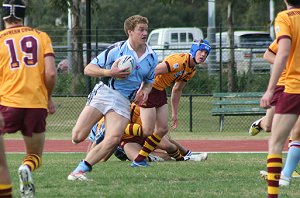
{"x": 251, "y": 75}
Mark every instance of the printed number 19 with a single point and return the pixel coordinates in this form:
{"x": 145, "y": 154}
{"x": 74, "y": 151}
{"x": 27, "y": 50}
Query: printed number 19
{"x": 29, "y": 52}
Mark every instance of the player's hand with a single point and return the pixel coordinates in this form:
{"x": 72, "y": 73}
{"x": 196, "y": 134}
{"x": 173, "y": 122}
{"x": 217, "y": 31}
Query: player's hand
{"x": 265, "y": 101}
{"x": 51, "y": 106}
{"x": 118, "y": 73}
{"x": 141, "y": 97}
{"x": 174, "y": 124}
{"x": 1, "y": 121}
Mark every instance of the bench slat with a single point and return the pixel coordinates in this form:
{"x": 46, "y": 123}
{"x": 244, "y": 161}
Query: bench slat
{"x": 238, "y": 111}
{"x": 235, "y": 102}
{"x": 239, "y": 95}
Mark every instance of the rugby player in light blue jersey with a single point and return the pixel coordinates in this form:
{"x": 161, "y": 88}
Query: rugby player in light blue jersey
{"x": 111, "y": 97}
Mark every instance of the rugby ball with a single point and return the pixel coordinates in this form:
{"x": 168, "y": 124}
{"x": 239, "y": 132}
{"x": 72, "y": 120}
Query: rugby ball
{"x": 126, "y": 61}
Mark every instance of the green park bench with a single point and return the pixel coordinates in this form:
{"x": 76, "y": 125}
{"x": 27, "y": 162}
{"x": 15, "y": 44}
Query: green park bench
{"x": 236, "y": 104}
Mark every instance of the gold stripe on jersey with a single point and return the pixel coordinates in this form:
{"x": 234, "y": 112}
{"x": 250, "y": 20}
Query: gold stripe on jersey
{"x": 179, "y": 70}
{"x": 22, "y": 67}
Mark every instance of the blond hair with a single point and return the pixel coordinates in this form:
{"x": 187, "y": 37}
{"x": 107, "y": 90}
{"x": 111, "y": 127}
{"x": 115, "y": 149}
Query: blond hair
{"x": 131, "y": 22}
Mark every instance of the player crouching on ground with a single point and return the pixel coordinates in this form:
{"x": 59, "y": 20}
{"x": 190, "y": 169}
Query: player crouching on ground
{"x": 129, "y": 147}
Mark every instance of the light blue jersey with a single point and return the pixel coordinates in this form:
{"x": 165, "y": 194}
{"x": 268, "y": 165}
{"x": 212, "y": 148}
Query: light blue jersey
{"x": 142, "y": 72}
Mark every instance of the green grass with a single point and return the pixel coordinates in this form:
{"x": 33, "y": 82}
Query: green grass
{"x": 222, "y": 175}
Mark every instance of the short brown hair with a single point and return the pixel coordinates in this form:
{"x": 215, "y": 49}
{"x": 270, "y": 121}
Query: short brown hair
{"x": 131, "y": 22}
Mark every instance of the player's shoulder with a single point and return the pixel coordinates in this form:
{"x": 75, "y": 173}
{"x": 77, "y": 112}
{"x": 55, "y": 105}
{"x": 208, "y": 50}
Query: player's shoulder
{"x": 287, "y": 13}
{"x": 178, "y": 58}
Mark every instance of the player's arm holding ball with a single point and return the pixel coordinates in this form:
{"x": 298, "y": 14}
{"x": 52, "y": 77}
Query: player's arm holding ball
{"x": 96, "y": 71}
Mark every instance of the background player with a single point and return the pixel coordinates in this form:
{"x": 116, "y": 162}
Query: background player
{"x": 27, "y": 78}
{"x": 178, "y": 69}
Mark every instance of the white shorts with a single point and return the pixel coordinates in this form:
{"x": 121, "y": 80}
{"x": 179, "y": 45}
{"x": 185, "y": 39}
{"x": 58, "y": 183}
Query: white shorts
{"x": 105, "y": 99}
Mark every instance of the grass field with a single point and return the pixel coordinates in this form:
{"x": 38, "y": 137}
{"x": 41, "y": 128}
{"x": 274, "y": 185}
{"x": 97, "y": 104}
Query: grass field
{"x": 222, "y": 175}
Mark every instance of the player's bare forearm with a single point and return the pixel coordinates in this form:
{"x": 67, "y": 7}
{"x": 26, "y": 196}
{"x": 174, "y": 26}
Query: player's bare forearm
{"x": 50, "y": 74}
{"x": 95, "y": 71}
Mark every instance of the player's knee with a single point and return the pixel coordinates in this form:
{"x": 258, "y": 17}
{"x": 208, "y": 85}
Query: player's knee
{"x": 162, "y": 131}
{"x": 147, "y": 131}
{"x": 77, "y": 136}
{"x": 111, "y": 141}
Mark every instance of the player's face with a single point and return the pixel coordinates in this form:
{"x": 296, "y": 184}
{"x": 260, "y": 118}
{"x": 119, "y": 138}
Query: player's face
{"x": 201, "y": 56}
{"x": 140, "y": 33}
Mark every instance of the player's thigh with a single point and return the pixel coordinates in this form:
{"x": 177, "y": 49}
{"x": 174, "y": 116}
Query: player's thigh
{"x": 115, "y": 125}
{"x": 148, "y": 118}
{"x": 35, "y": 144}
{"x": 87, "y": 118}
{"x": 282, "y": 125}
{"x": 132, "y": 150}
{"x": 162, "y": 117}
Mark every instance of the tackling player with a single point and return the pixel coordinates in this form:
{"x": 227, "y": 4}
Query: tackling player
{"x": 130, "y": 145}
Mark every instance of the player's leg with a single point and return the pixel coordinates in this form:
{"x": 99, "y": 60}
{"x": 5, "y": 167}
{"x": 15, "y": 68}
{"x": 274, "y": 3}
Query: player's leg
{"x": 184, "y": 151}
{"x": 132, "y": 149}
{"x": 134, "y": 129}
{"x": 33, "y": 131}
{"x": 282, "y": 125}
{"x": 264, "y": 123}
{"x": 5, "y": 182}
{"x": 293, "y": 155}
{"x": 115, "y": 125}
{"x": 148, "y": 118}
{"x": 87, "y": 118}
{"x": 170, "y": 148}
{"x": 161, "y": 129}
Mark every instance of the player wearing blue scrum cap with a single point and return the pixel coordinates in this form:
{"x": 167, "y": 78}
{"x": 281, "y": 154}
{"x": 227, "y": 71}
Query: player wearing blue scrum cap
{"x": 178, "y": 69}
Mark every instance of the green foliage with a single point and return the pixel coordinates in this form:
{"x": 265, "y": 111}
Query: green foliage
{"x": 201, "y": 83}
{"x": 69, "y": 85}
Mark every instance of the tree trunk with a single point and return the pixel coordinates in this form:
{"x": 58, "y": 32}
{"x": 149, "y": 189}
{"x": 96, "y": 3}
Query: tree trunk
{"x": 231, "y": 64}
{"x": 76, "y": 38}
{"x": 77, "y": 63}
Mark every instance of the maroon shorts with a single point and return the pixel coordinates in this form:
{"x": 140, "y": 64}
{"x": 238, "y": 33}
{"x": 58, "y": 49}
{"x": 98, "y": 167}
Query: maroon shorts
{"x": 278, "y": 91}
{"x": 27, "y": 120}
{"x": 156, "y": 98}
{"x": 134, "y": 139}
{"x": 288, "y": 104}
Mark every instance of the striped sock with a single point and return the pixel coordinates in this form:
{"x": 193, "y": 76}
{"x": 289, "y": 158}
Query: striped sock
{"x": 33, "y": 161}
{"x": 5, "y": 191}
{"x": 274, "y": 166}
{"x": 134, "y": 129}
{"x": 149, "y": 146}
{"x": 176, "y": 155}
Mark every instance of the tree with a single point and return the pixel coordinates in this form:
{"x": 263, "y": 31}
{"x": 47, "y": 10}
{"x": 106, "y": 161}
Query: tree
{"x": 231, "y": 65}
